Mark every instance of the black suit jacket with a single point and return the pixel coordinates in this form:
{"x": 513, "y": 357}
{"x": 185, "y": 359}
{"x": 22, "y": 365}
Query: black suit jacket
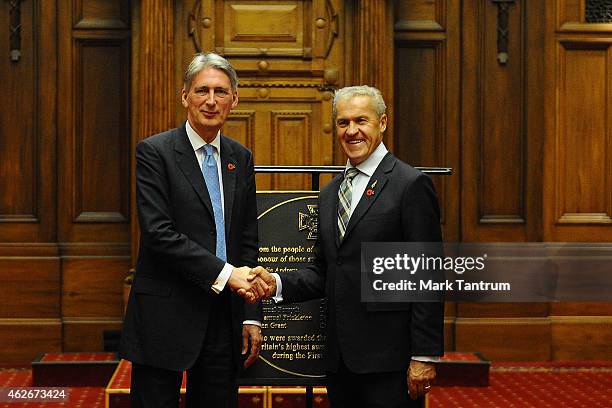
{"x": 372, "y": 337}
{"x": 171, "y": 296}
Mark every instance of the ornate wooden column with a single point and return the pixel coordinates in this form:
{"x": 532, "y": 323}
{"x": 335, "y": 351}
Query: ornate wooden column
{"x": 154, "y": 82}
{"x": 375, "y": 51}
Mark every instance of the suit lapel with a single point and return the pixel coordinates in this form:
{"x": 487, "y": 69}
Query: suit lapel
{"x": 376, "y": 184}
{"x": 188, "y": 163}
{"x": 228, "y": 171}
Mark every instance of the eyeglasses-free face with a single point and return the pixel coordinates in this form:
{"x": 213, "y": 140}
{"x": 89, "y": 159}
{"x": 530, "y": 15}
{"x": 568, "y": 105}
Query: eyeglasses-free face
{"x": 358, "y": 127}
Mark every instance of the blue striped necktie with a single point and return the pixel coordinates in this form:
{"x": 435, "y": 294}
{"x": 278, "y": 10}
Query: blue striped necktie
{"x": 211, "y": 177}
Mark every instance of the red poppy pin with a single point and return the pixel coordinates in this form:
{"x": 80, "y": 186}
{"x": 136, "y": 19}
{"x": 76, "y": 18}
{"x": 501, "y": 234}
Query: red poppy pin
{"x": 231, "y": 166}
{"x": 370, "y": 191}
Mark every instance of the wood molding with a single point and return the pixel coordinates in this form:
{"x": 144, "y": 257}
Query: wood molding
{"x": 502, "y": 106}
{"x": 418, "y": 25}
{"x": 375, "y": 53}
{"x": 510, "y": 339}
{"x": 110, "y": 14}
{"x": 241, "y": 125}
{"x": 420, "y": 90}
{"x": 503, "y": 320}
{"x": 19, "y": 249}
{"x": 155, "y": 94}
{"x": 29, "y": 112}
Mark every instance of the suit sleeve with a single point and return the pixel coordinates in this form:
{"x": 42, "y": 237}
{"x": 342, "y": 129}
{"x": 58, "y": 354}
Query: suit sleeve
{"x": 250, "y": 240}
{"x": 421, "y": 223}
{"x": 158, "y": 232}
{"x": 308, "y": 283}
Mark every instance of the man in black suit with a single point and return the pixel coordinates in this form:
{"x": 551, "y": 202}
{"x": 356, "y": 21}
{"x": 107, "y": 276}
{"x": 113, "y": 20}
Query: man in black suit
{"x": 377, "y": 353}
{"x": 195, "y": 191}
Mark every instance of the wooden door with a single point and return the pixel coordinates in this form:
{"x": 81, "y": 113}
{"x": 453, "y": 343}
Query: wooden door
{"x": 288, "y": 54}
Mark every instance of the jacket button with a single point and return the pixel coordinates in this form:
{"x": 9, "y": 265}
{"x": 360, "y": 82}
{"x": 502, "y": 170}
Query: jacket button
{"x": 212, "y": 232}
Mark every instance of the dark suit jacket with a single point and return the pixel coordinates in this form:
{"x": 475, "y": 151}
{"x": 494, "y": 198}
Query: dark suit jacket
{"x": 171, "y": 296}
{"x": 372, "y": 337}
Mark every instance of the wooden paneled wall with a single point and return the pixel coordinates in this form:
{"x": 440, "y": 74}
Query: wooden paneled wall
{"x": 527, "y": 133}
{"x": 65, "y": 176}
{"x": 427, "y": 122}
{"x": 578, "y": 163}
{"x": 94, "y": 156}
{"x": 578, "y": 150}
{"x": 528, "y": 138}
{"x": 501, "y": 180}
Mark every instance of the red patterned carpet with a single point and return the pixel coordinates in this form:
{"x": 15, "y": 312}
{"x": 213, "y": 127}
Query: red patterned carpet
{"x": 541, "y": 385}
{"x": 67, "y": 357}
{"x": 81, "y": 397}
{"x": 517, "y": 385}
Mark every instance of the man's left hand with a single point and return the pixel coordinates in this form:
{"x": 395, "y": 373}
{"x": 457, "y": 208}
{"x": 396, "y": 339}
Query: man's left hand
{"x": 420, "y": 377}
{"x": 251, "y": 334}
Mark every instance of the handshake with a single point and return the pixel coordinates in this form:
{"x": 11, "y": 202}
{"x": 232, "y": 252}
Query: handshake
{"x": 252, "y": 284}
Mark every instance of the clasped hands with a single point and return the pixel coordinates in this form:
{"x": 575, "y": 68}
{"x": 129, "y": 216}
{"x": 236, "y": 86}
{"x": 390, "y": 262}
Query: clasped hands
{"x": 252, "y": 284}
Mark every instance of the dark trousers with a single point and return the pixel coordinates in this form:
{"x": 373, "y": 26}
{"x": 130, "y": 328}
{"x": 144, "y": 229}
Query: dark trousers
{"x": 346, "y": 389}
{"x": 211, "y": 381}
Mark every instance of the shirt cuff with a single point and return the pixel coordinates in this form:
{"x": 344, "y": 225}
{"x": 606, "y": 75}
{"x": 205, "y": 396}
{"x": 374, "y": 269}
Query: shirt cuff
{"x": 222, "y": 279}
{"x": 426, "y": 359}
{"x": 253, "y": 322}
{"x": 278, "y": 297}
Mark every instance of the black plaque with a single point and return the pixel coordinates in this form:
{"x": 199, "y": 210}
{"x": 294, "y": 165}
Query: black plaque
{"x": 293, "y": 350}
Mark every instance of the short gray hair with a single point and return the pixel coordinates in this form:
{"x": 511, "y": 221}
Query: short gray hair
{"x": 361, "y": 90}
{"x": 202, "y": 61}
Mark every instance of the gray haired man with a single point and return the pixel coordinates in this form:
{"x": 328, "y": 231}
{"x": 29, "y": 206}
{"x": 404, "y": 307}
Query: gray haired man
{"x": 378, "y": 355}
{"x": 195, "y": 192}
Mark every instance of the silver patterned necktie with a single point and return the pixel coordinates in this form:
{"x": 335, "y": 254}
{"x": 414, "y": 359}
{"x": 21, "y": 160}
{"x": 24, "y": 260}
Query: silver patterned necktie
{"x": 345, "y": 196}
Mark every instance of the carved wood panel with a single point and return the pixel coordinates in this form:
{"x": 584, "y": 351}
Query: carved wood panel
{"x": 94, "y": 157}
{"x": 427, "y": 85}
{"x": 581, "y": 16}
{"x": 270, "y": 35}
{"x": 420, "y": 15}
{"x": 101, "y": 184}
{"x": 94, "y": 121}
{"x": 27, "y": 142}
{"x": 582, "y": 143}
{"x": 283, "y": 126}
{"x": 419, "y": 95}
{"x": 578, "y": 175}
{"x": 29, "y": 264}
{"x": 584, "y": 135}
{"x": 101, "y": 14}
{"x": 500, "y": 140}
{"x": 288, "y": 55}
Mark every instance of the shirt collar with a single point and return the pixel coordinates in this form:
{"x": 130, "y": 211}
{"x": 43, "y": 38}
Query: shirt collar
{"x": 197, "y": 142}
{"x": 369, "y": 165}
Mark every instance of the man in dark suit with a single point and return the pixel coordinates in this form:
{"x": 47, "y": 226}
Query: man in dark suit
{"x": 377, "y": 353}
{"x": 195, "y": 191}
